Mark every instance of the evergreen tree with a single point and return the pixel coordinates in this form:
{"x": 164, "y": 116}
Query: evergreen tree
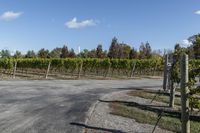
{"x": 114, "y": 48}
{"x": 148, "y": 51}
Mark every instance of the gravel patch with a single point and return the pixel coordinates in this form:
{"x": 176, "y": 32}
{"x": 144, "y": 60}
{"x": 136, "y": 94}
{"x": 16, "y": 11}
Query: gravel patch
{"x": 102, "y": 121}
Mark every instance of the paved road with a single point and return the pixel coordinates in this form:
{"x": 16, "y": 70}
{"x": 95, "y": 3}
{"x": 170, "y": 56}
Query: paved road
{"x": 50, "y": 106}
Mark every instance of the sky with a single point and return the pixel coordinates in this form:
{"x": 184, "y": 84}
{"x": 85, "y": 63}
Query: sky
{"x": 35, "y": 24}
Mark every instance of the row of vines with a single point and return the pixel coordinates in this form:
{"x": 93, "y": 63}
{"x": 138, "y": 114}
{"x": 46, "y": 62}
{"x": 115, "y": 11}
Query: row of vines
{"x": 102, "y": 67}
{"x": 96, "y": 67}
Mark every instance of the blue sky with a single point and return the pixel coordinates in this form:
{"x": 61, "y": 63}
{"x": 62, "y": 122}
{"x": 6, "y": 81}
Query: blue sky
{"x": 35, "y": 24}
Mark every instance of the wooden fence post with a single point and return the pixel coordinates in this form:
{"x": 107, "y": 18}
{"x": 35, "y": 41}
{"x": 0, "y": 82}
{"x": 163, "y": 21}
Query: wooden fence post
{"x": 47, "y": 72}
{"x": 185, "y": 128}
{"x": 133, "y": 69}
{"x": 80, "y": 69}
{"x": 165, "y": 73}
{"x": 15, "y": 68}
{"x": 171, "y": 83}
{"x": 108, "y": 71}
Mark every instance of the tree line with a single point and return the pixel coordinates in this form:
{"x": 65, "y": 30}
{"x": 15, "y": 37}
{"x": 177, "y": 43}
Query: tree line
{"x": 117, "y": 50}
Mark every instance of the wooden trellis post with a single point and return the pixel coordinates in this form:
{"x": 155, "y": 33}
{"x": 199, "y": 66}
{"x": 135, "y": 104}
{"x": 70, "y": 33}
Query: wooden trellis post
{"x": 80, "y": 70}
{"x": 185, "y": 128}
{"x": 15, "y": 68}
{"x": 171, "y": 83}
{"x": 47, "y": 72}
{"x": 165, "y": 73}
{"x": 133, "y": 69}
{"x": 108, "y": 71}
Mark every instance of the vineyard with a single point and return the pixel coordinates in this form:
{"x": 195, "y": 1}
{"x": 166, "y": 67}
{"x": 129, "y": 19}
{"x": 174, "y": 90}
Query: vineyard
{"x": 79, "y": 67}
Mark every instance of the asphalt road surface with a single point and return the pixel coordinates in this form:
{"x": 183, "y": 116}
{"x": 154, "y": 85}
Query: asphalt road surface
{"x": 50, "y": 106}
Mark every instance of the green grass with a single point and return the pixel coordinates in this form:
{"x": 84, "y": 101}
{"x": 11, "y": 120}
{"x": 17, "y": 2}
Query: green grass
{"x": 154, "y": 96}
{"x": 149, "y": 117}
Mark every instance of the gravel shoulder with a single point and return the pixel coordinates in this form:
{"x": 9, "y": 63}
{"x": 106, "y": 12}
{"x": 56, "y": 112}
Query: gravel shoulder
{"x": 101, "y": 120}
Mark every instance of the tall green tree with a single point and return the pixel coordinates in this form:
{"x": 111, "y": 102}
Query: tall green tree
{"x": 43, "y": 53}
{"x": 64, "y": 52}
{"x": 148, "y": 50}
{"x": 55, "y": 53}
{"x": 72, "y": 54}
{"x": 196, "y": 47}
{"x": 145, "y": 51}
{"x": 99, "y": 51}
{"x": 177, "y": 47}
{"x": 133, "y": 54}
{"x": 30, "y": 54}
{"x": 142, "y": 53}
{"x": 18, "y": 54}
{"x": 124, "y": 51}
{"x": 5, "y": 53}
{"x": 83, "y": 54}
{"x": 114, "y": 48}
{"x": 92, "y": 53}
{"x": 105, "y": 54}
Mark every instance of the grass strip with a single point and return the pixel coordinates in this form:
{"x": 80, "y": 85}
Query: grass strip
{"x": 149, "y": 117}
{"x": 154, "y": 96}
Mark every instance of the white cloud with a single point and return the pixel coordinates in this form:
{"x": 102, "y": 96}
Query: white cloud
{"x": 10, "y": 15}
{"x": 186, "y": 42}
{"x": 74, "y": 24}
{"x": 197, "y": 12}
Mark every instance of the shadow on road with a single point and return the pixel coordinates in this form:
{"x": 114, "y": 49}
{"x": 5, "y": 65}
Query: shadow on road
{"x": 96, "y": 128}
{"x": 139, "y": 87}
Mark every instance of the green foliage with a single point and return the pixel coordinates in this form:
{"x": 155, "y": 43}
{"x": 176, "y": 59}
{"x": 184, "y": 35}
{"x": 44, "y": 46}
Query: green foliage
{"x": 43, "y": 53}
{"x": 6, "y": 63}
{"x": 5, "y": 54}
{"x": 133, "y": 54}
{"x": 30, "y": 54}
{"x": 57, "y": 63}
{"x": 194, "y": 71}
{"x": 55, "y": 53}
{"x": 88, "y": 64}
{"x": 18, "y": 54}
{"x": 145, "y": 51}
{"x": 33, "y": 63}
{"x": 64, "y": 52}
